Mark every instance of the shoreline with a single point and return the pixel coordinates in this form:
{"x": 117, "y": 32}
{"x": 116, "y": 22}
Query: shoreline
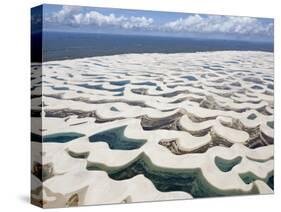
{"x": 156, "y": 53}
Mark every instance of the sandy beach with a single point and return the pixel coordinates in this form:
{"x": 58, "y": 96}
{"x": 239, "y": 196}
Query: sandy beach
{"x": 146, "y": 127}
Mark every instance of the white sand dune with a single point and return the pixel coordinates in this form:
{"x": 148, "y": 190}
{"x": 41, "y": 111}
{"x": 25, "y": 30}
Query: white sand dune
{"x": 144, "y": 127}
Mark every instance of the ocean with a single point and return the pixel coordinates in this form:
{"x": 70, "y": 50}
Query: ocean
{"x": 65, "y": 45}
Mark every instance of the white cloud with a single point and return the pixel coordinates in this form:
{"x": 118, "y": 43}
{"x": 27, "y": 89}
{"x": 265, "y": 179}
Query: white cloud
{"x": 73, "y": 16}
{"x": 196, "y": 24}
{"x": 96, "y": 18}
{"x": 219, "y": 24}
{"x": 63, "y": 15}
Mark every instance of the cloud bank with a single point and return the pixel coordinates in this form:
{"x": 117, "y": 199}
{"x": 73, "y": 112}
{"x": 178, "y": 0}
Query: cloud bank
{"x": 73, "y": 16}
{"x": 195, "y": 24}
{"x": 220, "y": 24}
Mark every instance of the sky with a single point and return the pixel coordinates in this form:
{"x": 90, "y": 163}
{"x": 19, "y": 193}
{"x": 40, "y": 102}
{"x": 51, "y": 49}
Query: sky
{"x": 153, "y": 23}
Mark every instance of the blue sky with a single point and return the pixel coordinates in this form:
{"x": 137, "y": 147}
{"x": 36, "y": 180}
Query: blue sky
{"x": 107, "y": 20}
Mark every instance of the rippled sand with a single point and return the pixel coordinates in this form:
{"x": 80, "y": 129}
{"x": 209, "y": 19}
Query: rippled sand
{"x": 145, "y": 127}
